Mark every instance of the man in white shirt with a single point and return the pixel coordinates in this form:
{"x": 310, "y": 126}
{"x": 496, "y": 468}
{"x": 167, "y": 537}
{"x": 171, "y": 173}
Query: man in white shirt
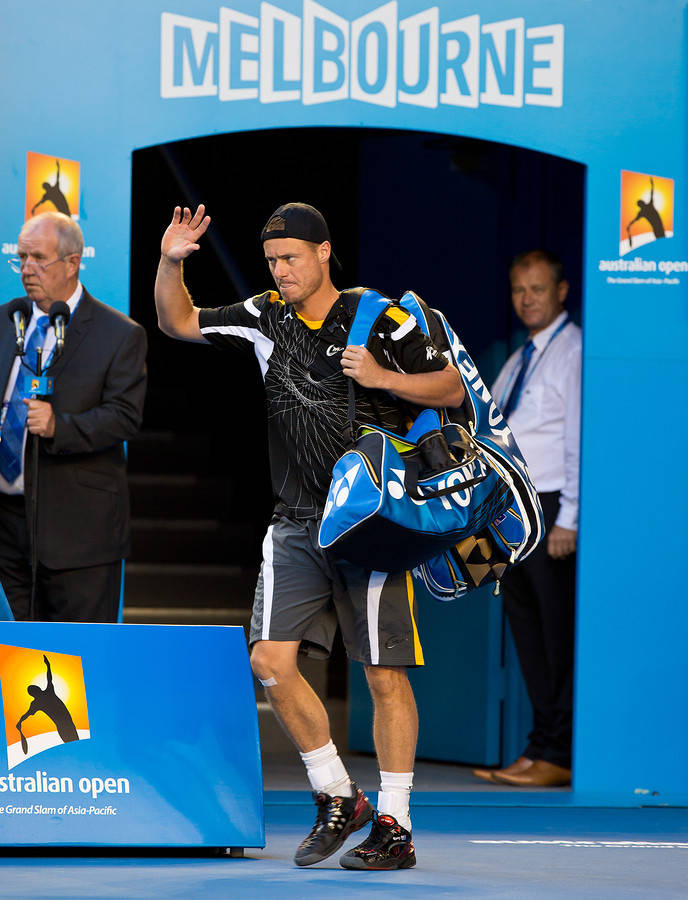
{"x": 538, "y": 391}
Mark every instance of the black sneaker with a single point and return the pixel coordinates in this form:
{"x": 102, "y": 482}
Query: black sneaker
{"x": 388, "y": 846}
{"x": 337, "y": 818}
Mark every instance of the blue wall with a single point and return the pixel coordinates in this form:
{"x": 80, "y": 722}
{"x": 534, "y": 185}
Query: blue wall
{"x": 83, "y": 81}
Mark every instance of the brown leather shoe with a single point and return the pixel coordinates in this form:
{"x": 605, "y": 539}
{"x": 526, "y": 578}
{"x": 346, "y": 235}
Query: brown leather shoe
{"x": 519, "y": 765}
{"x": 540, "y": 774}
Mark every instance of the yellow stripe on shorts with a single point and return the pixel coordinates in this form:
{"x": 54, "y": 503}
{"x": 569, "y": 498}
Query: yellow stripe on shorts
{"x": 417, "y": 649}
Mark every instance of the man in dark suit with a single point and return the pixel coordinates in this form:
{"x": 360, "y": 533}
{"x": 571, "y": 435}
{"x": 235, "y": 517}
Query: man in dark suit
{"x": 99, "y": 388}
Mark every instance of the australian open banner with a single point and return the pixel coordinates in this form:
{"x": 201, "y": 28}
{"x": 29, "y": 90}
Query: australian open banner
{"x": 130, "y": 735}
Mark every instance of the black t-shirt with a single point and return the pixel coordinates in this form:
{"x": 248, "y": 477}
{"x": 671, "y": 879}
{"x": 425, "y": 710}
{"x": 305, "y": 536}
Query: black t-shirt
{"x": 307, "y": 392}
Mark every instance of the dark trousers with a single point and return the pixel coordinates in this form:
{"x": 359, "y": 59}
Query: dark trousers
{"x": 539, "y": 600}
{"x": 89, "y": 594}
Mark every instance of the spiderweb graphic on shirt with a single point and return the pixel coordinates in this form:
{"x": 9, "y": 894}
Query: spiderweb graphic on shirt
{"x": 309, "y": 413}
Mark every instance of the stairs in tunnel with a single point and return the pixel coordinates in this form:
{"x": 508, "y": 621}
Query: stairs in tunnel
{"x": 194, "y": 554}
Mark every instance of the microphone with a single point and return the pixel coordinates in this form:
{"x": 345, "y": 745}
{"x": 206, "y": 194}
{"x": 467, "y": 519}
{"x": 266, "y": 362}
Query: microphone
{"x": 59, "y": 318}
{"x": 19, "y": 312}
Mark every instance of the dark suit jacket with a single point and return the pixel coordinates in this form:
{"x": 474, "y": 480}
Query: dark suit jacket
{"x": 99, "y": 389}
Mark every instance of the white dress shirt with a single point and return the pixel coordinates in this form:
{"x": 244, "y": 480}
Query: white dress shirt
{"x": 546, "y": 422}
{"x": 17, "y": 486}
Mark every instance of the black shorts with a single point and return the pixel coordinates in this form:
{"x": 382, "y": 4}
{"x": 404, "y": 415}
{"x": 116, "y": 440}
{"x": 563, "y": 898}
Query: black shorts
{"x": 302, "y": 593}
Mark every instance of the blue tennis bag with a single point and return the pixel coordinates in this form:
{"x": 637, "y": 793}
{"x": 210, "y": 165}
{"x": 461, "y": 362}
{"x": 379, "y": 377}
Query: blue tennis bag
{"x": 451, "y": 500}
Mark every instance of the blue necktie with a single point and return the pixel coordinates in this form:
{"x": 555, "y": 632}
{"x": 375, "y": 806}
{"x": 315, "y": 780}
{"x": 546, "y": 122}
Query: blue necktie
{"x": 12, "y": 438}
{"x": 515, "y": 394}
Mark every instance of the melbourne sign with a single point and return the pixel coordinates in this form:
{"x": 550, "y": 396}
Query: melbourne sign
{"x": 321, "y": 57}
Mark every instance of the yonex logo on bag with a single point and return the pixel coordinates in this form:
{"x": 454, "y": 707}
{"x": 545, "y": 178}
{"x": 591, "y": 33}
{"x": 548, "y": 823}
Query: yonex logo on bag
{"x": 494, "y": 415}
{"x": 462, "y": 497}
{"x": 339, "y": 492}
{"x": 396, "y": 488}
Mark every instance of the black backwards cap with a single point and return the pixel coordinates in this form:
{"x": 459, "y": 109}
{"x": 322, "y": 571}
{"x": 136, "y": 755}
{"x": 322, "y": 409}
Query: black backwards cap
{"x": 298, "y": 220}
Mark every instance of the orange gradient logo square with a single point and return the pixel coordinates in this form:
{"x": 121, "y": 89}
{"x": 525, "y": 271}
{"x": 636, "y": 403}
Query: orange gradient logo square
{"x": 647, "y": 210}
{"x": 44, "y": 701}
{"x": 52, "y": 185}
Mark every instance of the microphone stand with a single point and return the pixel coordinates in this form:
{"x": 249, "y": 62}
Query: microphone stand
{"x": 35, "y": 449}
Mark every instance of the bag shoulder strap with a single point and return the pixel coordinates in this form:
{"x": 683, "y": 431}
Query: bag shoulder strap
{"x": 426, "y": 317}
{"x": 418, "y": 309}
{"x": 366, "y": 305}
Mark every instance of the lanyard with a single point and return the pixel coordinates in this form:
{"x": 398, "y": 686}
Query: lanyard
{"x": 529, "y": 372}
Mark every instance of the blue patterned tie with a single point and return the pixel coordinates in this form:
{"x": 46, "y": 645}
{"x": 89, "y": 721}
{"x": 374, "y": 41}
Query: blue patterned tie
{"x": 515, "y": 394}
{"x": 12, "y": 439}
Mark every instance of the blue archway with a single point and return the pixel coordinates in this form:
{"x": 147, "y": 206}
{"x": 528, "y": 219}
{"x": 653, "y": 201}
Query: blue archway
{"x": 602, "y": 86}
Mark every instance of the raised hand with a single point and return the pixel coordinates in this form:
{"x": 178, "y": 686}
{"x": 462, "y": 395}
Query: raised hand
{"x": 182, "y": 234}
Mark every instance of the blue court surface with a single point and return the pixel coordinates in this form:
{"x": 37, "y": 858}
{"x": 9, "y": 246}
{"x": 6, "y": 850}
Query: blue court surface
{"x": 463, "y": 851}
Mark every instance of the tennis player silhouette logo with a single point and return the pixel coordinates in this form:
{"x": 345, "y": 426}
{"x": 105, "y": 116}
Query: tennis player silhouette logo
{"x": 53, "y": 194}
{"x": 43, "y": 701}
{"x": 647, "y": 210}
{"x": 47, "y": 701}
{"x": 53, "y": 184}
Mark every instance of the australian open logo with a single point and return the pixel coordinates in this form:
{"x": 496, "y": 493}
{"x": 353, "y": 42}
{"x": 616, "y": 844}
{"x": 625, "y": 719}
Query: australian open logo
{"x": 52, "y": 185}
{"x": 44, "y": 701}
{"x": 646, "y": 217}
{"x": 421, "y": 59}
{"x": 647, "y": 210}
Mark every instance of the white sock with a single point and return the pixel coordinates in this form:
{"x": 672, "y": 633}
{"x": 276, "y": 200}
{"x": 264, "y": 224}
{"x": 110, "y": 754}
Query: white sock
{"x": 393, "y": 798}
{"x": 326, "y": 771}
